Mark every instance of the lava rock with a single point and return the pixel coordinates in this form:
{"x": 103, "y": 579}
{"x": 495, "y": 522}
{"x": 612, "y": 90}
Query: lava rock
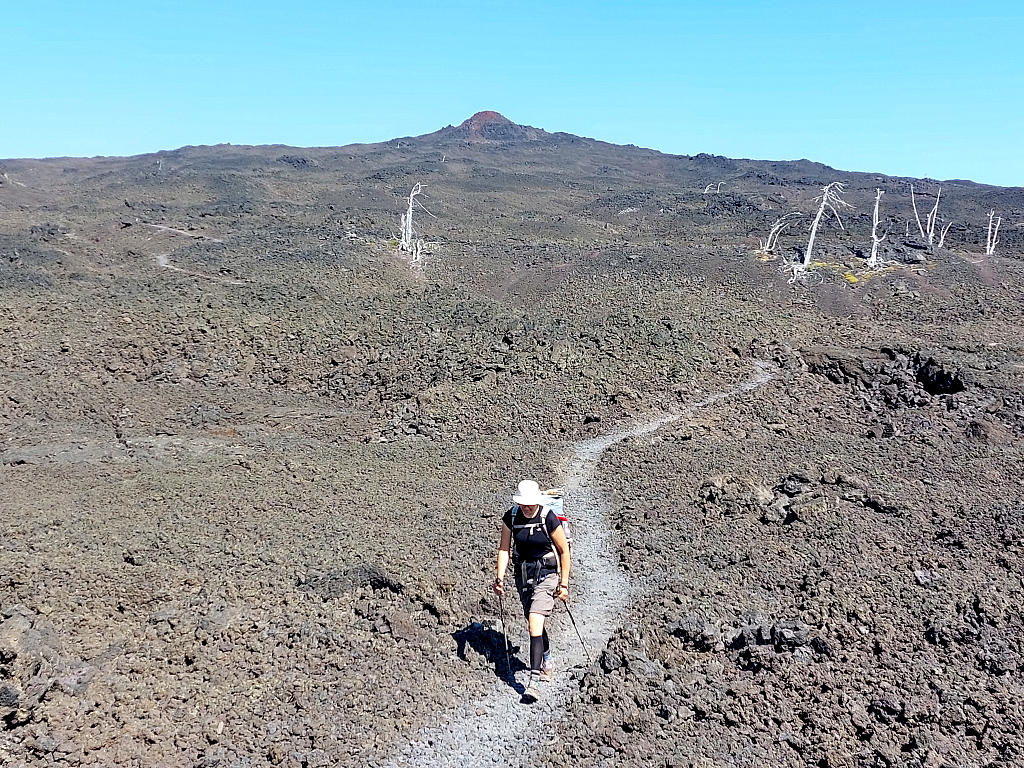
{"x": 788, "y": 635}
{"x": 697, "y": 634}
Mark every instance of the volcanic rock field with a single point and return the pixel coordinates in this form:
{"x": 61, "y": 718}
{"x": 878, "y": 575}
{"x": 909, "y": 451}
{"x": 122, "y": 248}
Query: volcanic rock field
{"x": 254, "y": 455}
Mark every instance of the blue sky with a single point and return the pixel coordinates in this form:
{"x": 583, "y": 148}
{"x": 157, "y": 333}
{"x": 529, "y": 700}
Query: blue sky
{"x": 904, "y": 87}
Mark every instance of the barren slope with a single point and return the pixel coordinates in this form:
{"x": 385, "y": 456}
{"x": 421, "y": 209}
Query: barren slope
{"x": 252, "y": 463}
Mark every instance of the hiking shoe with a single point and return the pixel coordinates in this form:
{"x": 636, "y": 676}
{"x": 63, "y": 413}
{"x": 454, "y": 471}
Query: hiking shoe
{"x": 547, "y": 671}
{"x": 532, "y": 692}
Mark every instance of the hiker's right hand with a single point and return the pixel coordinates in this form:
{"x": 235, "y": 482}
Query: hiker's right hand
{"x": 499, "y": 588}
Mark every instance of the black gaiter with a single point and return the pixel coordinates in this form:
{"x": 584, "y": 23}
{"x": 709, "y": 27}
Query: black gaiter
{"x": 536, "y": 653}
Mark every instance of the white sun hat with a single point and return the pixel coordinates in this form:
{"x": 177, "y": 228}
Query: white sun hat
{"x": 529, "y": 493}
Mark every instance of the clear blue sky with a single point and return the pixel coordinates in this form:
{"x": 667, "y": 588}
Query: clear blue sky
{"x": 904, "y": 87}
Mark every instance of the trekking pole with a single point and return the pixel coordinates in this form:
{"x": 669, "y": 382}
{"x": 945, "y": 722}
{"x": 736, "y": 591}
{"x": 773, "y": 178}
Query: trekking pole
{"x": 504, "y": 634}
{"x": 580, "y": 636}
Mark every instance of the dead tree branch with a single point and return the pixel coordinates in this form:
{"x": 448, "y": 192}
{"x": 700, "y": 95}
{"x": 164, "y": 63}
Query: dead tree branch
{"x": 769, "y": 244}
{"x": 942, "y": 235}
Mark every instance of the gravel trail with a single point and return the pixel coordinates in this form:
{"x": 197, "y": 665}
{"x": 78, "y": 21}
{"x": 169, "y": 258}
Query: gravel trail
{"x": 163, "y": 260}
{"x": 175, "y": 231}
{"x": 498, "y": 730}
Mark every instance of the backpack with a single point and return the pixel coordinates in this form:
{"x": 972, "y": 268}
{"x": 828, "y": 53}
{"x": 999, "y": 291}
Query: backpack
{"x": 551, "y": 562}
{"x": 556, "y": 504}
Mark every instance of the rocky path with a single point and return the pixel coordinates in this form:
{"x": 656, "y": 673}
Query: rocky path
{"x": 186, "y": 233}
{"x": 498, "y": 730}
{"x": 163, "y": 260}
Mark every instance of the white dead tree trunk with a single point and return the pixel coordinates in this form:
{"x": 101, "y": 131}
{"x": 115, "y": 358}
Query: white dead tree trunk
{"x": 993, "y": 233}
{"x": 932, "y": 217}
{"x": 717, "y": 189}
{"x": 875, "y": 239}
{"x": 831, "y": 199}
{"x": 769, "y": 244}
{"x": 416, "y": 256}
{"x": 917, "y": 216}
{"x": 406, "y": 243}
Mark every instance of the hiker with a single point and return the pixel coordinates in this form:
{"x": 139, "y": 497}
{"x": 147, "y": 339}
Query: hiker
{"x": 541, "y": 563}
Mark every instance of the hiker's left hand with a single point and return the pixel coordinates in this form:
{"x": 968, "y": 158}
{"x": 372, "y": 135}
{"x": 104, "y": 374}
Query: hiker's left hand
{"x": 562, "y": 593}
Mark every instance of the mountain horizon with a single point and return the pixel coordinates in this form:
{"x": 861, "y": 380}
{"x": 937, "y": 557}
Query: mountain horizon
{"x": 491, "y": 127}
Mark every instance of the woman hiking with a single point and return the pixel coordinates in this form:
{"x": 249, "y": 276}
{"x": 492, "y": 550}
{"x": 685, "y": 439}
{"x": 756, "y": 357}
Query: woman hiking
{"x": 541, "y": 561}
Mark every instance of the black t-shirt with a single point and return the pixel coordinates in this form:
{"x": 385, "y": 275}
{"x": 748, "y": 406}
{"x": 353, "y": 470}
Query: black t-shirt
{"x": 530, "y": 543}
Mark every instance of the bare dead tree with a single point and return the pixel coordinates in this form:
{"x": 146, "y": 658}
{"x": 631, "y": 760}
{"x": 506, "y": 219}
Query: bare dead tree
{"x": 875, "y": 239}
{"x": 408, "y": 243}
{"x": 717, "y": 189}
{"x": 769, "y": 244}
{"x": 993, "y": 233}
{"x": 927, "y": 231}
{"x": 831, "y": 199}
{"x": 405, "y": 243}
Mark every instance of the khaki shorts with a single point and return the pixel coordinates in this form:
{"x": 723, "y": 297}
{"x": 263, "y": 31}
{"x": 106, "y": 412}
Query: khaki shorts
{"x": 539, "y": 599}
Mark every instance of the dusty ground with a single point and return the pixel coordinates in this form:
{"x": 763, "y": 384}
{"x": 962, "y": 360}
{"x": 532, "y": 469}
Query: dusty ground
{"x": 252, "y": 463}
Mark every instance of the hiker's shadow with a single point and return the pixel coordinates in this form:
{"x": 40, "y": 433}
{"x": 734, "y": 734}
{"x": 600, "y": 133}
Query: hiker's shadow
{"x": 489, "y": 643}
